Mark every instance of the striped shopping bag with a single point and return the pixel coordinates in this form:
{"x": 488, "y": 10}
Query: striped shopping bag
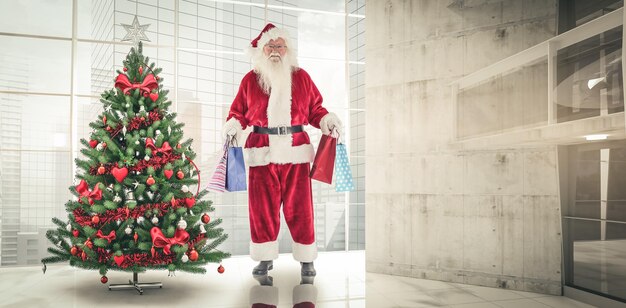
{"x": 217, "y": 183}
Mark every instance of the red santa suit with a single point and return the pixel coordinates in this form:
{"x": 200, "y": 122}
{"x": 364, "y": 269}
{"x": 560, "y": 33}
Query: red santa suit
{"x": 279, "y": 163}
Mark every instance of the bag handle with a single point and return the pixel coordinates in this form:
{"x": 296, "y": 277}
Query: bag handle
{"x": 335, "y": 134}
{"x": 231, "y": 141}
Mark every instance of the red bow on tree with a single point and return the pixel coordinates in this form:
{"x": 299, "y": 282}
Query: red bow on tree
{"x": 109, "y": 237}
{"x": 83, "y": 190}
{"x": 148, "y": 84}
{"x": 165, "y": 148}
{"x": 160, "y": 241}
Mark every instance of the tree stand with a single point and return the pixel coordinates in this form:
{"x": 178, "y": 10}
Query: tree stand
{"x": 134, "y": 284}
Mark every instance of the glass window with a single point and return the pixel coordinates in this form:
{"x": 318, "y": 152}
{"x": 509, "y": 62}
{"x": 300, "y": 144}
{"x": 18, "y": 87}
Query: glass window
{"x": 34, "y": 157}
{"x": 595, "y": 217}
{"x": 36, "y": 122}
{"x": 38, "y": 17}
{"x": 88, "y": 110}
{"x": 203, "y": 76}
{"x": 35, "y": 65}
{"x": 573, "y": 13}
{"x": 589, "y": 77}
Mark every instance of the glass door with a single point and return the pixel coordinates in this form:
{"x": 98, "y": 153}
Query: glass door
{"x": 594, "y": 217}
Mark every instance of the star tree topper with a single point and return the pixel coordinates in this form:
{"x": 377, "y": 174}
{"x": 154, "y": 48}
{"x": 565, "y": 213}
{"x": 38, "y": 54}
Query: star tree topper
{"x": 135, "y": 32}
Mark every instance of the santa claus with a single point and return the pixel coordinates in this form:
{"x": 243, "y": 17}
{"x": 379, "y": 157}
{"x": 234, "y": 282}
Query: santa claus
{"x": 277, "y": 98}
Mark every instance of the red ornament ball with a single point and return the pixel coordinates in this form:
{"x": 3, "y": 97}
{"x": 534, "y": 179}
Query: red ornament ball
{"x": 101, "y": 170}
{"x": 190, "y": 202}
{"x": 142, "y": 119}
{"x": 95, "y": 219}
{"x": 205, "y": 218}
{"x": 104, "y": 279}
{"x": 220, "y": 269}
{"x": 150, "y": 181}
{"x": 125, "y": 69}
{"x": 180, "y": 175}
{"x": 193, "y": 255}
{"x": 75, "y": 233}
{"x": 74, "y": 250}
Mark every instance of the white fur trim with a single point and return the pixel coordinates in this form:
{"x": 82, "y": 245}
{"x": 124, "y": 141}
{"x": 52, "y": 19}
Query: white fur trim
{"x": 279, "y": 105}
{"x": 232, "y": 126}
{"x": 279, "y": 114}
{"x": 264, "y": 251}
{"x": 304, "y": 293}
{"x": 274, "y": 34}
{"x": 304, "y": 253}
{"x": 281, "y": 153}
{"x": 264, "y": 295}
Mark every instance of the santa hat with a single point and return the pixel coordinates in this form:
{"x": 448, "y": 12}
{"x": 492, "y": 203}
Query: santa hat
{"x": 270, "y": 32}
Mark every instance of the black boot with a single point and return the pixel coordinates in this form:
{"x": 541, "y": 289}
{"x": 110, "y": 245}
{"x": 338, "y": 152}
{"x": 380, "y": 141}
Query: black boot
{"x": 262, "y": 268}
{"x": 307, "y": 269}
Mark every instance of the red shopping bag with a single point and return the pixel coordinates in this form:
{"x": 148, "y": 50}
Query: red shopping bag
{"x": 324, "y": 162}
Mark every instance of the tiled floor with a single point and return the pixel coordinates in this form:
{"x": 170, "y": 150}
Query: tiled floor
{"x": 341, "y": 282}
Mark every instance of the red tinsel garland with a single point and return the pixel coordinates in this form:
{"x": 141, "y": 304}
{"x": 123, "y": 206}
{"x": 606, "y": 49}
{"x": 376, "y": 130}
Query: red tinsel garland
{"x": 136, "y": 123}
{"x": 156, "y": 162}
{"x": 124, "y": 213}
{"x": 193, "y": 242}
{"x": 141, "y": 259}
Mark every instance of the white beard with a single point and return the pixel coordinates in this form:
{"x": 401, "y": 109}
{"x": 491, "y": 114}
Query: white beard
{"x": 273, "y": 75}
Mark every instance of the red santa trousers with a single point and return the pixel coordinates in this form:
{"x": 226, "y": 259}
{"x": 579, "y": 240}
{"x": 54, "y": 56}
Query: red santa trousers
{"x": 270, "y": 186}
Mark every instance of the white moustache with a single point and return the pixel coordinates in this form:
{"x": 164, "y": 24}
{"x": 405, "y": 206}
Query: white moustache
{"x": 274, "y": 55}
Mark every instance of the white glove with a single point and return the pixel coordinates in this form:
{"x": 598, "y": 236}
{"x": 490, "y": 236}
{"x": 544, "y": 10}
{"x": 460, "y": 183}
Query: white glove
{"x": 329, "y": 122}
{"x": 231, "y": 128}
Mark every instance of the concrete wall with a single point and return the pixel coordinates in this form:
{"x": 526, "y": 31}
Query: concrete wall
{"x": 434, "y": 209}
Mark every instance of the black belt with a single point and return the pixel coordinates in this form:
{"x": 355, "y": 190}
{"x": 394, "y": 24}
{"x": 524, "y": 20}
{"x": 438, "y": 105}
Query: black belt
{"x": 279, "y": 130}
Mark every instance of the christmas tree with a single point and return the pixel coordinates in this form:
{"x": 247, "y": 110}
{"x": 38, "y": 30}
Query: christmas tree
{"x": 135, "y": 209}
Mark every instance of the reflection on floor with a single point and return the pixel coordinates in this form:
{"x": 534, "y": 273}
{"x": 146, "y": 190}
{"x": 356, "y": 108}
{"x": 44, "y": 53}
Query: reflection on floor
{"x": 598, "y": 266}
{"x": 341, "y": 281}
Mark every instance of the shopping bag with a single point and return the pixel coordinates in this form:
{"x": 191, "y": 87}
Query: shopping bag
{"x": 235, "y": 168}
{"x": 343, "y": 175}
{"x": 217, "y": 183}
{"x": 322, "y": 169}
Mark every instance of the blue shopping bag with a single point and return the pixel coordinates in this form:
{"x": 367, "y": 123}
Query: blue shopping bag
{"x": 235, "y": 168}
{"x": 343, "y": 175}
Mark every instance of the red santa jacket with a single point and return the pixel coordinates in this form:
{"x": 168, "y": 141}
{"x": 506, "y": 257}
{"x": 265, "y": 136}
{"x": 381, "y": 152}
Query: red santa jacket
{"x": 300, "y": 106}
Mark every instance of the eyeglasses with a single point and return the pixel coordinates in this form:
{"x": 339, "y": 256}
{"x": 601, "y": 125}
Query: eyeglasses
{"x": 276, "y": 47}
